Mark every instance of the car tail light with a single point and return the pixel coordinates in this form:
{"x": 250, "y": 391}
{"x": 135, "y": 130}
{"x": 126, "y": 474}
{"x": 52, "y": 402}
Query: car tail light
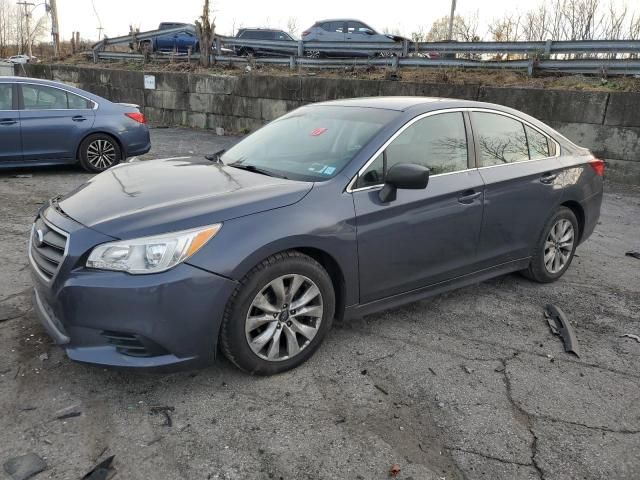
{"x": 137, "y": 116}
{"x": 598, "y": 166}
{"x": 306, "y": 32}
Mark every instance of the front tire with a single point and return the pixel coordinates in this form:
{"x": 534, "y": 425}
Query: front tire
{"x": 555, "y": 247}
{"x": 278, "y": 315}
{"x": 98, "y": 152}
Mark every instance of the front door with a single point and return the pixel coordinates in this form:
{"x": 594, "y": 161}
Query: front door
{"x": 424, "y": 236}
{"x": 519, "y": 166}
{"x": 10, "y": 143}
{"x": 53, "y": 122}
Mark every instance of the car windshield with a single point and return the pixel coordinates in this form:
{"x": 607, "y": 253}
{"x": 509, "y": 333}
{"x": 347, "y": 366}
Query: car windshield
{"x": 311, "y": 143}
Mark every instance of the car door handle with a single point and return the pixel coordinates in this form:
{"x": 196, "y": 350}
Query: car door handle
{"x": 469, "y": 196}
{"x": 548, "y": 178}
{"x": 8, "y": 121}
{"x": 78, "y": 118}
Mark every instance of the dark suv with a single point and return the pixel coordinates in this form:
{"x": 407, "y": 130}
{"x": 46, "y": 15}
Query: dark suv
{"x": 262, "y": 34}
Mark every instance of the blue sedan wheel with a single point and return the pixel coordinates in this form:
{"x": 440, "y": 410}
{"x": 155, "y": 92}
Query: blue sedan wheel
{"x": 99, "y": 152}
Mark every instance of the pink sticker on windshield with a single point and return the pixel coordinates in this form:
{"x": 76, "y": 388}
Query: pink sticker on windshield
{"x": 318, "y": 131}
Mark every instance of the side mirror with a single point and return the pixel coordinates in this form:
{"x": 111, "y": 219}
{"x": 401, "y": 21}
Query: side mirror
{"x": 409, "y": 176}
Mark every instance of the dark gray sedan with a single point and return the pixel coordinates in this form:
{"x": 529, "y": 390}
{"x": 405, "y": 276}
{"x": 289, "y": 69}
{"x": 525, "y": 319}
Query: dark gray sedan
{"x": 335, "y": 210}
{"x": 50, "y": 123}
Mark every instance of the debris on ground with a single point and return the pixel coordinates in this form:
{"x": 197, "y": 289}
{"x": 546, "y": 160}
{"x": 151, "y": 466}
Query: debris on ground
{"x": 633, "y": 254}
{"x": 164, "y": 410}
{"x": 24, "y": 467}
{"x": 394, "y": 471}
{"x": 100, "y": 471}
{"x": 467, "y": 369}
{"x": 68, "y": 415}
{"x": 499, "y": 369}
{"x": 44, "y": 356}
{"x": 23, "y": 175}
{"x": 382, "y": 389}
{"x": 631, "y": 335}
{"x": 432, "y": 370}
{"x": 560, "y": 326}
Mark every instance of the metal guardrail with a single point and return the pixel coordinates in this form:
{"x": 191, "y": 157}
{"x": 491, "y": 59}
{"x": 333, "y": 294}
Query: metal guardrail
{"x": 407, "y": 53}
{"x": 588, "y": 66}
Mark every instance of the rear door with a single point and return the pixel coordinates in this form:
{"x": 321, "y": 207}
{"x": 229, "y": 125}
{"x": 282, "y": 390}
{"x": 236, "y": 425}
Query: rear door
{"x": 519, "y": 165}
{"x": 10, "y": 143}
{"x": 424, "y": 236}
{"x": 53, "y": 122}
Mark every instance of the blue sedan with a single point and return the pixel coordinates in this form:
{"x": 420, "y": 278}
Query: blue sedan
{"x": 49, "y": 123}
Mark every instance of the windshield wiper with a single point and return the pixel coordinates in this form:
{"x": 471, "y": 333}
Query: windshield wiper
{"x": 253, "y": 168}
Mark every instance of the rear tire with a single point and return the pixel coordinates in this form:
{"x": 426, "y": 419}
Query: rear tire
{"x": 99, "y": 152}
{"x": 266, "y": 329}
{"x": 555, "y": 247}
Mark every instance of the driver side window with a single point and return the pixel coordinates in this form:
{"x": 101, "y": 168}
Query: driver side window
{"x": 438, "y": 142}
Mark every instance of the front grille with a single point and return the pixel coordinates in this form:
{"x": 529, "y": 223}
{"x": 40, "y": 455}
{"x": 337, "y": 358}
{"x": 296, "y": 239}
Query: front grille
{"x": 47, "y": 248}
{"x": 133, "y": 345}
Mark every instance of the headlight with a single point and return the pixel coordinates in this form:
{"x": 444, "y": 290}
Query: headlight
{"x": 151, "y": 254}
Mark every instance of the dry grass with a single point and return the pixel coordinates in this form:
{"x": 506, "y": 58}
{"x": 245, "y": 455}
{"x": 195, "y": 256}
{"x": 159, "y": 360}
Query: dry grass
{"x": 503, "y": 78}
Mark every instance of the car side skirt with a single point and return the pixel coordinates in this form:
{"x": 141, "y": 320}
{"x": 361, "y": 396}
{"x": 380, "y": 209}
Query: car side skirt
{"x": 394, "y": 301}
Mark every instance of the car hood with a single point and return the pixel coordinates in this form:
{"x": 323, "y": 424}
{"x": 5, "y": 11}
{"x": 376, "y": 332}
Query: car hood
{"x": 158, "y": 196}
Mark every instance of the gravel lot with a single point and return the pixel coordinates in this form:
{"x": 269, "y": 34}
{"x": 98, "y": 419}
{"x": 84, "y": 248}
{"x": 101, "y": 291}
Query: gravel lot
{"x": 469, "y": 384}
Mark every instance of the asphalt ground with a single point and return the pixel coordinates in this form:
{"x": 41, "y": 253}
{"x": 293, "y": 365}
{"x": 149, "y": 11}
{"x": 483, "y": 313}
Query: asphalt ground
{"x": 469, "y": 384}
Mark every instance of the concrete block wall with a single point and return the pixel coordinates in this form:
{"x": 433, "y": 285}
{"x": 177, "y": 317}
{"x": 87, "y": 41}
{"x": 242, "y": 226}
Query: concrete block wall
{"x": 606, "y": 122}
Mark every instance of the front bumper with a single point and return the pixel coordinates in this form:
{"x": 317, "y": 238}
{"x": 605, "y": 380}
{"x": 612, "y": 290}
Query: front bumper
{"x": 121, "y": 320}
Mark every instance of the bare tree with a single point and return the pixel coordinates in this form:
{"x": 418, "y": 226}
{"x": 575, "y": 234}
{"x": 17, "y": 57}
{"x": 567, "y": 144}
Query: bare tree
{"x": 292, "y": 26}
{"x": 506, "y": 29}
{"x": 205, "y": 30}
{"x": 7, "y": 27}
{"x": 465, "y": 29}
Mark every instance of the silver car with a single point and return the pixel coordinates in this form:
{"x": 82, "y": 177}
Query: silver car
{"x": 345, "y": 30}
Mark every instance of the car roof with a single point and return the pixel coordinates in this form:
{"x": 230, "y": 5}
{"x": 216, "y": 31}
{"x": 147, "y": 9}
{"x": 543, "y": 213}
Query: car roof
{"x": 419, "y": 104}
{"x": 340, "y": 20}
{"x": 64, "y": 86}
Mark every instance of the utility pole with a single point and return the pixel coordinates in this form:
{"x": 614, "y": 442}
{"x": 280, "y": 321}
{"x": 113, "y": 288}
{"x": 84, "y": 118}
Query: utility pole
{"x": 453, "y": 11}
{"x": 100, "y": 29}
{"x": 55, "y": 28}
{"x": 27, "y": 15}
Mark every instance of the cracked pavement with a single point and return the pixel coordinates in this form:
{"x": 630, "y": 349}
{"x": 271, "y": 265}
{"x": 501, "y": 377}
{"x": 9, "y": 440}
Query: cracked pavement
{"x": 466, "y": 385}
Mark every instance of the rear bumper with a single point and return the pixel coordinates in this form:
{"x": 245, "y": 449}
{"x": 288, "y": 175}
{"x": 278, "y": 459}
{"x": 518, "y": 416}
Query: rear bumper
{"x": 135, "y": 141}
{"x": 591, "y": 208}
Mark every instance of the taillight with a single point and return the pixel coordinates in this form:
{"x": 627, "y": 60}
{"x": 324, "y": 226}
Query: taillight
{"x": 306, "y": 32}
{"x": 598, "y": 166}
{"x": 137, "y": 116}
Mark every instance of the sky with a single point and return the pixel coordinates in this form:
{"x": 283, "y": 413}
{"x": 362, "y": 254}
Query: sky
{"x": 406, "y": 16}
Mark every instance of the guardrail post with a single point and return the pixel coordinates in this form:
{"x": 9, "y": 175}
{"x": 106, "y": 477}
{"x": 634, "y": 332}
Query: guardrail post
{"x": 405, "y": 47}
{"x": 218, "y": 46}
{"x": 300, "y": 48}
{"x": 530, "y": 67}
{"x": 292, "y": 62}
{"x": 547, "y": 47}
{"x": 95, "y": 56}
{"x": 394, "y": 63}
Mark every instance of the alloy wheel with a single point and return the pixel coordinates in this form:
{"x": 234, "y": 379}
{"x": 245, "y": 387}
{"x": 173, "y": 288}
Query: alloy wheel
{"x": 558, "y": 246}
{"x": 101, "y": 154}
{"x": 284, "y": 317}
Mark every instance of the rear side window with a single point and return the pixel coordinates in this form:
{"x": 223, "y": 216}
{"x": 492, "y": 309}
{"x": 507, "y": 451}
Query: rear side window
{"x": 438, "y": 142}
{"x": 502, "y": 139}
{"x": 6, "y": 96}
{"x": 40, "y": 97}
{"x": 357, "y": 27}
{"x": 335, "y": 27}
{"x": 538, "y": 144}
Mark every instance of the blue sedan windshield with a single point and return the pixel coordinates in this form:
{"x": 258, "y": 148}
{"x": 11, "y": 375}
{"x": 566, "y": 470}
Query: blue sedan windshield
{"x": 310, "y": 143}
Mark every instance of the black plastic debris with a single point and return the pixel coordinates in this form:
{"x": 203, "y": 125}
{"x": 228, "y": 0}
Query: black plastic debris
{"x": 68, "y": 415}
{"x": 24, "y": 467}
{"x": 164, "y": 410}
{"x": 100, "y": 471}
{"x": 633, "y": 254}
{"x": 559, "y": 325}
